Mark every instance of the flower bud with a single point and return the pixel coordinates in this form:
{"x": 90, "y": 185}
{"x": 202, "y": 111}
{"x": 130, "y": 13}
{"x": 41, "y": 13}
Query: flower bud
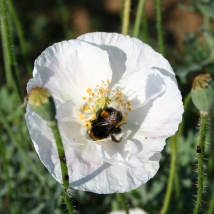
{"x": 42, "y": 103}
{"x": 202, "y": 93}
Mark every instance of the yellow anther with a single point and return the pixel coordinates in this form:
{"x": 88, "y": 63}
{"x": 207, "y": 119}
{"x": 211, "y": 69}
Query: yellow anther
{"x": 84, "y": 98}
{"x": 126, "y": 113}
{"x": 87, "y": 107}
{"x": 124, "y": 119}
{"x": 81, "y": 116}
{"x": 107, "y": 81}
{"x": 107, "y": 90}
{"x": 129, "y": 109}
{"x": 129, "y": 103}
{"x": 93, "y": 118}
{"x": 121, "y": 99}
{"x": 82, "y": 107}
{"x": 101, "y": 92}
{"x": 89, "y": 91}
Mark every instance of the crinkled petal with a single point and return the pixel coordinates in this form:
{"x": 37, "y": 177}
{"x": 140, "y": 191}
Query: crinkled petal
{"x": 68, "y": 68}
{"x": 141, "y": 86}
{"x": 160, "y": 116}
{"x": 101, "y": 177}
{"x": 126, "y": 54}
{"x": 134, "y": 149}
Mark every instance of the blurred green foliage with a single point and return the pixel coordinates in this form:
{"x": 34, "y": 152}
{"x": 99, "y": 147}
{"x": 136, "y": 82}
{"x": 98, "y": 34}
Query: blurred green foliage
{"x": 33, "y": 190}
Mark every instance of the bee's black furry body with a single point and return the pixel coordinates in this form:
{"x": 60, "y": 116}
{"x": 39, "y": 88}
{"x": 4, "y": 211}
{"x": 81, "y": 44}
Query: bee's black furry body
{"x": 107, "y": 122}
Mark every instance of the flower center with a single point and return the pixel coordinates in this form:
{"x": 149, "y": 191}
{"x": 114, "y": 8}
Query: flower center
{"x": 101, "y": 97}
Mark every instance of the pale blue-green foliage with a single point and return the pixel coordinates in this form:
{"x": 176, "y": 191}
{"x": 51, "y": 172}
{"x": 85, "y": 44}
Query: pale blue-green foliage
{"x": 25, "y": 185}
{"x": 199, "y": 56}
{"x": 35, "y": 191}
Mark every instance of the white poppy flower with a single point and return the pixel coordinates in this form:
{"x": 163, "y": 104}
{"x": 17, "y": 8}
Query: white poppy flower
{"x": 131, "y": 211}
{"x": 123, "y": 73}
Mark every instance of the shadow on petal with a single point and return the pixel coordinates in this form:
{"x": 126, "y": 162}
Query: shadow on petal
{"x": 155, "y": 157}
{"x": 117, "y": 58}
{"x": 91, "y": 176}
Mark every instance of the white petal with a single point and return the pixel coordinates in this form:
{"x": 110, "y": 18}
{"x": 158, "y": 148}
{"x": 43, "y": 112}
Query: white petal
{"x": 161, "y": 116}
{"x": 141, "y": 86}
{"x": 100, "y": 177}
{"x": 69, "y": 124}
{"x": 86, "y": 168}
{"x": 126, "y": 54}
{"x": 68, "y": 68}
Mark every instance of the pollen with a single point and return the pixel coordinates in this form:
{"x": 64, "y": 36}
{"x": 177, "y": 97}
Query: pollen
{"x": 89, "y": 91}
{"x": 81, "y": 116}
{"x": 100, "y": 97}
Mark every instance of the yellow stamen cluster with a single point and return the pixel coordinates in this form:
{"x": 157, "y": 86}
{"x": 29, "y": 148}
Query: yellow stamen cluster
{"x": 99, "y": 98}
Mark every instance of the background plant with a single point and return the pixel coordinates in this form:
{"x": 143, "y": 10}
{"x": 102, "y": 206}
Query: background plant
{"x": 25, "y": 185}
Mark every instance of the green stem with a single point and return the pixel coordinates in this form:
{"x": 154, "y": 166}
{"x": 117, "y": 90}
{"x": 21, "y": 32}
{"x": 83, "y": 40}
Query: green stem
{"x": 123, "y": 202}
{"x": 8, "y": 75}
{"x": 173, "y": 168}
{"x": 159, "y": 27}
{"x": 138, "y": 18}
{"x": 64, "y": 170}
{"x": 186, "y": 103}
{"x": 171, "y": 176}
{"x": 126, "y": 13}
{"x": 4, "y": 163}
{"x": 20, "y": 36}
{"x": 68, "y": 202}
{"x": 121, "y": 10}
{"x": 201, "y": 143}
{"x": 11, "y": 58}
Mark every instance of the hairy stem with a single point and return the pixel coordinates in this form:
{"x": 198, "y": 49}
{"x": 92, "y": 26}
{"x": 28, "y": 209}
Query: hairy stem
{"x": 8, "y": 75}
{"x": 138, "y": 18}
{"x": 62, "y": 158}
{"x": 8, "y": 46}
{"x": 171, "y": 176}
{"x": 126, "y": 13}
{"x": 201, "y": 143}
{"x": 159, "y": 27}
{"x": 123, "y": 202}
{"x": 20, "y": 36}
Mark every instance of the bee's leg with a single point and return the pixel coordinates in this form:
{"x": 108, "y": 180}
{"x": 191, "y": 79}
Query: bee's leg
{"x": 113, "y": 138}
{"x": 115, "y": 131}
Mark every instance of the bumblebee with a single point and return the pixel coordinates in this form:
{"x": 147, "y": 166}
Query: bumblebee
{"x": 107, "y": 122}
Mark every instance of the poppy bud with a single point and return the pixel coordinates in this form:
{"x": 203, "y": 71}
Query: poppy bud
{"x": 202, "y": 93}
{"x": 42, "y": 103}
